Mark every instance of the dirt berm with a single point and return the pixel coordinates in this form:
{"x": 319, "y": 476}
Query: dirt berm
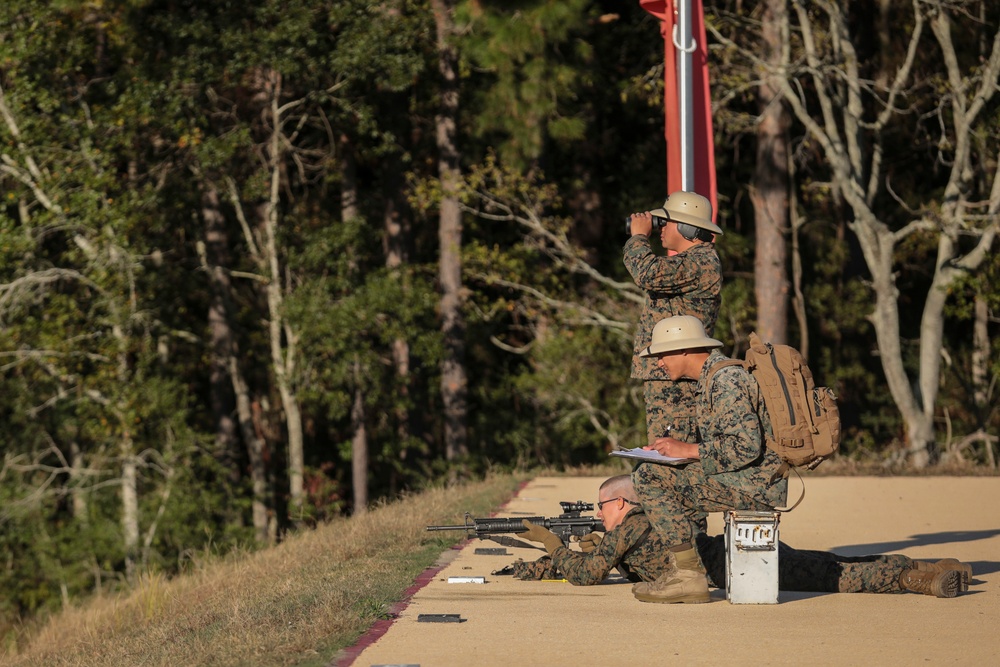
{"x": 509, "y": 622}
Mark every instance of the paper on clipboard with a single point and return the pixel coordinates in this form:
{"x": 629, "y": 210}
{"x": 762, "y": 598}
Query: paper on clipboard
{"x": 650, "y": 455}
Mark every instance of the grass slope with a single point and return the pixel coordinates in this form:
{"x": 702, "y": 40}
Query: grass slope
{"x": 298, "y": 603}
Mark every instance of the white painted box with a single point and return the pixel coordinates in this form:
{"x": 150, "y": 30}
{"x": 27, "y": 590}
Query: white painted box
{"x": 752, "y": 557}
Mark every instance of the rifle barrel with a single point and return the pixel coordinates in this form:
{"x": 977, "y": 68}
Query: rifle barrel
{"x": 513, "y": 524}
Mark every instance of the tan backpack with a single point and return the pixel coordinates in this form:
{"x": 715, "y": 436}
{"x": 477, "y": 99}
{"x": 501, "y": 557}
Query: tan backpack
{"x": 804, "y": 418}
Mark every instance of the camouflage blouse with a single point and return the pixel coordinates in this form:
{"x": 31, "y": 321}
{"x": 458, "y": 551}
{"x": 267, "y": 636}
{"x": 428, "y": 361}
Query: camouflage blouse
{"x": 688, "y": 283}
{"x": 631, "y": 545}
{"x": 732, "y": 430}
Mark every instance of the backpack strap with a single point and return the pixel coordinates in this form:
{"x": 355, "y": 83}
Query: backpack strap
{"x": 801, "y": 496}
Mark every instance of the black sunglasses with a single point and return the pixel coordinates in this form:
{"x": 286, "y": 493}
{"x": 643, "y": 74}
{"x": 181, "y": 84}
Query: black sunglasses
{"x": 602, "y": 503}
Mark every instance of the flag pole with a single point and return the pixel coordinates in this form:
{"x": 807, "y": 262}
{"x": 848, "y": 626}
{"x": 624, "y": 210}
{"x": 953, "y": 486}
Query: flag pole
{"x": 683, "y": 42}
{"x": 687, "y": 102}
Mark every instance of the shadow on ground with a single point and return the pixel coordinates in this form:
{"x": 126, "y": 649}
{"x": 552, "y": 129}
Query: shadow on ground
{"x": 922, "y": 540}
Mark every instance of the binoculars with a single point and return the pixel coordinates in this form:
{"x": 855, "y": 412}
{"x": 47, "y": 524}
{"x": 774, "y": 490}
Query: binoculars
{"x": 659, "y": 223}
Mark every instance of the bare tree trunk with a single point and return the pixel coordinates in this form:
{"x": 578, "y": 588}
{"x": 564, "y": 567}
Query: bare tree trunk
{"x": 165, "y": 492}
{"x": 78, "y": 494}
{"x": 771, "y": 183}
{"x": 359, "y": 439}
{"x": 264, "y": 522}
{"x": 396, "y": 241}
{"x": 359, "y": 445}
{"x": 215, "y": 262}
{"x": 283, "y": 340}
{"x": 220, "y": 333}
{"x": 129, "y": 460}
{"x": 798, "y": 298}
{"x": 980, "y": 354}
{"x": 453, "y": 376}
{"x": 348, "y": 180}
{"x": 130, "y": 506}
{"x": 261, "y": 238}
{"x": 884, "y": 30}
{"x": 980, "y": 373}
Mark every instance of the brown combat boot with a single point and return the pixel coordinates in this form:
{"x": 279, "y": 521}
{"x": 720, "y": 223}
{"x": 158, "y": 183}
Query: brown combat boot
{"x": 963, "y": 569}
{"x": 682, "y": 582}
{"x": 944, "y": 584}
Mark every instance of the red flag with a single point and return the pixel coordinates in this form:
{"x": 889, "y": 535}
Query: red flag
{"x": 701, "y": 101}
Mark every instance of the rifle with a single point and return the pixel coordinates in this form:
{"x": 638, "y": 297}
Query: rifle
{"x": 563, "y": 526}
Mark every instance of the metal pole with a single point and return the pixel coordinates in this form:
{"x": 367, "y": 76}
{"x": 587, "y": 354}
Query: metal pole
{"x": 685, "y": 45}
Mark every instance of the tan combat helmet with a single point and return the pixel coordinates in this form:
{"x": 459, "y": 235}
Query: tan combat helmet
{"x": 688, "y": 208}
{"x": 681, "y": 332}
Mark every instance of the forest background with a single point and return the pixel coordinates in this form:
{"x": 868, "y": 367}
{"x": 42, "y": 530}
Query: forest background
{"x": 263, "y": 263}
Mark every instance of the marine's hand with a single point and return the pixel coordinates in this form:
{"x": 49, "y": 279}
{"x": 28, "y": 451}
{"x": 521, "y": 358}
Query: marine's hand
{"x": 537, "y": 533}
{"x": 642, "y": 223}
{"x": 672, "y": 447}
{"x": 588, "y": 542}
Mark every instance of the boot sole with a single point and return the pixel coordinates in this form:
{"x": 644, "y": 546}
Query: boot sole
{"x": 949, "y": 584}
{"x": 946, "y": 584}
{"x": 964, "y": 569}
{"x": 953, "y": 564}
{"x": 941, "y": 583}
{"x": 685, "y": 599}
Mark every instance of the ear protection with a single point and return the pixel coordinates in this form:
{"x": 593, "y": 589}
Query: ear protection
{"x": 690, "y": 232}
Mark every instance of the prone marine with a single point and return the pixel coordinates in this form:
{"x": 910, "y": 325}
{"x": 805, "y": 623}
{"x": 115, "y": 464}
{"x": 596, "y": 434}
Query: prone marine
{"x": 631, "y": 545}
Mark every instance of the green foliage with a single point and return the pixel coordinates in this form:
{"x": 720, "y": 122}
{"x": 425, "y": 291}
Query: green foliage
{"x": 83, "y": 336}
{"x": 551, "y": 332}
{"x": 536, "y": 57}
{"x": 349, "y": 321}
{"x": 45, "y": 556}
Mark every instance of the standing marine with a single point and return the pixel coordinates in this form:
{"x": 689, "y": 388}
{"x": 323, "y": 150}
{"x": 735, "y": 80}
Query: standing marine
{"x": 686, "y": 281}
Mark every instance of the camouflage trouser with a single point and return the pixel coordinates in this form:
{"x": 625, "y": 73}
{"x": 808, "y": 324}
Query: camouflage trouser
{"x": 798, "y": 570}
{"x": 815, "y": 571}
{"x": 543, "y": 568}
{"x": 670, "y": 404}
{"x": 823, "y": 571}
{"x": 677, "y": 499}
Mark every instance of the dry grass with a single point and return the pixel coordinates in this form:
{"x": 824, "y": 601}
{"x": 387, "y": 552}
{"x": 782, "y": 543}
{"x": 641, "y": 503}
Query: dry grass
{"x": 294, "y": 604}
{"x": 851, "y": 467}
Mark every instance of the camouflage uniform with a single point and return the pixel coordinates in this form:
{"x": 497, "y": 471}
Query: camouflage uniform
{"x": 736, "y": 470}
{"x": 632, "y": 545}
{"x": 641, "y": 553}
{"x": 687, "y": 283}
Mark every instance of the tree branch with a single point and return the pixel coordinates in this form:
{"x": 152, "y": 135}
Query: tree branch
{"x": 592, "y": 317}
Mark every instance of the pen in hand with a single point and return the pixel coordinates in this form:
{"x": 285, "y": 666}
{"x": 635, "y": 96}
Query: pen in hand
{"x": 666, "y": 434}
